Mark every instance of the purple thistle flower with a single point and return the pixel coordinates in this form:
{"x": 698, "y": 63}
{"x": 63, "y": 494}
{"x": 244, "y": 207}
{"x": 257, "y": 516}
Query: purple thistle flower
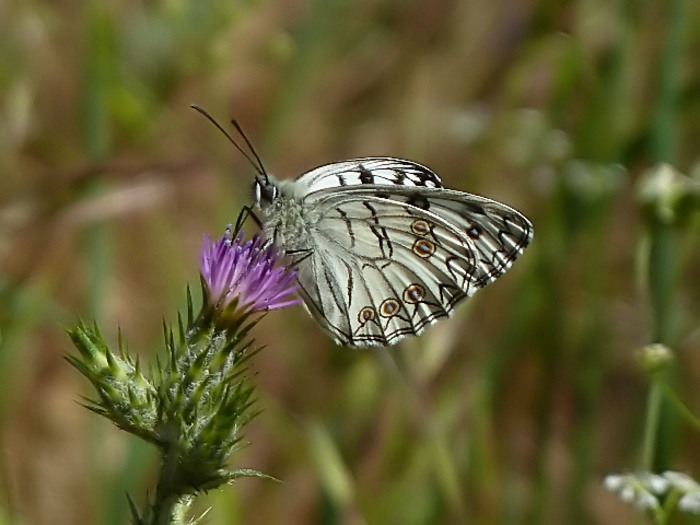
{"x": 248, "y": 272}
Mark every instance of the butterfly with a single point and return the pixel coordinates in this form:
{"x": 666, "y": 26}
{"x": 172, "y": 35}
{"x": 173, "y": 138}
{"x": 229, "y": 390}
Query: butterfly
{"x": 381, "y": 248}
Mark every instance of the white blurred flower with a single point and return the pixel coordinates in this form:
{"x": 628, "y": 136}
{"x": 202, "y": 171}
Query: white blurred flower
{"x": 688, "y": 487}
{"x": 690, "y": 503}
{"x": 681, "y": 482}
{"x": 640, "y": 489}
{"x": 664, "y": 190}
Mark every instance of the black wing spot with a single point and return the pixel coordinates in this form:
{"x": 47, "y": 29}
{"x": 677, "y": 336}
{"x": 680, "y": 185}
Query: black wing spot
{"x": 423, "y": 178}
{"x": 418, "y": 201}
{"x": 473, "y": 231}
{"x": 426, "y": 178}
{"x": 366, "y": 176}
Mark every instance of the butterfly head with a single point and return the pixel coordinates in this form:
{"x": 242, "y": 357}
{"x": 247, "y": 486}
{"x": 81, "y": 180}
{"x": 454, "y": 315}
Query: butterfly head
{"x": 266, "y": 191}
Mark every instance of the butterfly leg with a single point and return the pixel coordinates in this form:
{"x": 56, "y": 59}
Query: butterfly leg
{"x": 246, "y": 212}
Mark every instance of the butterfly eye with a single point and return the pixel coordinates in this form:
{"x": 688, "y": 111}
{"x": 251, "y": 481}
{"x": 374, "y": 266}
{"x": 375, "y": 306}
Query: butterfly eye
{"x": 265, "y": 192}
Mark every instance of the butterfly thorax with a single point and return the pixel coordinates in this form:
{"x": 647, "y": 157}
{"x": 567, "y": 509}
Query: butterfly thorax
{"x": 285, "y": 218}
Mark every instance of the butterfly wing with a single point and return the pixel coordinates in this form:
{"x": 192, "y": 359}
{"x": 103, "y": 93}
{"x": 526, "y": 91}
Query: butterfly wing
{"x": 384, "y": 171}
{"x": 389, "y": 261}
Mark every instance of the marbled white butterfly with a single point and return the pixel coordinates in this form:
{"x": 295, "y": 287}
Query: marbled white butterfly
{"x": 382, "y": 249}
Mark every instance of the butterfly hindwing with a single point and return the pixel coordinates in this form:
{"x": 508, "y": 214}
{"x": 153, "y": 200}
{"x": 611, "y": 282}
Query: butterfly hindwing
{"x": 389, "y": 261}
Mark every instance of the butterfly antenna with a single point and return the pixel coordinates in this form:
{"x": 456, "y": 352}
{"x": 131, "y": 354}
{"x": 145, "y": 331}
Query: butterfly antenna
{"x": 257, "y": 165}
{"x": 261, "y": 169}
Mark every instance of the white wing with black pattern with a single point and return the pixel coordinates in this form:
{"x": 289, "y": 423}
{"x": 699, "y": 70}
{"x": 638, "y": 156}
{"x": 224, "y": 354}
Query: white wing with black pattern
{"x": 383, "y": 250}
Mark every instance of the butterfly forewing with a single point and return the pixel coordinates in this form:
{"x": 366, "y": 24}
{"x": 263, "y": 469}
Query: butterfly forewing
{"x": 387, "y": 251}
{"x": 379, "y": 171}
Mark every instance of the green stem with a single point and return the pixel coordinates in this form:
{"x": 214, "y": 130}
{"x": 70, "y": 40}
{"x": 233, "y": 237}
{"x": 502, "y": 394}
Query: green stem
{"x": 681, "y": 407}
{"x": 665, "y": 512}
{"x": 660, "y": 516}
{"x": 651, "y": 426}
{"x": 170, "y": 506}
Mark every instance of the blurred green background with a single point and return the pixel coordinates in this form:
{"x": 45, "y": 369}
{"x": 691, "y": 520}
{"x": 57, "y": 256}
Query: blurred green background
{"x": 510, "y": 413}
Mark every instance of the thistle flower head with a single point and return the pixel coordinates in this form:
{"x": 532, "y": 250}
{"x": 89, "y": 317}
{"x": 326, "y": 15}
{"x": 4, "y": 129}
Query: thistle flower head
{"x": 246, "y": 272}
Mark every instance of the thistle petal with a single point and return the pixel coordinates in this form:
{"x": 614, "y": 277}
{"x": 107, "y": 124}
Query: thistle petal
{"x": 246, "y": 271}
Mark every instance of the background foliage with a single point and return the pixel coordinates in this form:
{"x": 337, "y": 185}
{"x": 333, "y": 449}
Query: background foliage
{"x": 513, "y": 411}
